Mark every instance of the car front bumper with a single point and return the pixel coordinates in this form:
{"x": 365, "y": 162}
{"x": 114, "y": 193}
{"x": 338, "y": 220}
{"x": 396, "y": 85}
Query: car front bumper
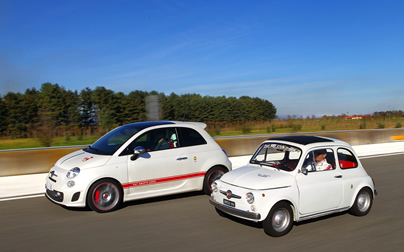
{"x": 58, "y": 192}
{"x": 235, "y": 212}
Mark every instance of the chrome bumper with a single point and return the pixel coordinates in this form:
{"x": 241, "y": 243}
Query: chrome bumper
{"x": 236, "y": 212}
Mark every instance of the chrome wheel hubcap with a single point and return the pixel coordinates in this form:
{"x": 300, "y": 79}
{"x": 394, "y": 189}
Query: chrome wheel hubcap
{"x": 281, "y": 220}
{"x": 363, "y": 201}
{"x": 106, "y": 196}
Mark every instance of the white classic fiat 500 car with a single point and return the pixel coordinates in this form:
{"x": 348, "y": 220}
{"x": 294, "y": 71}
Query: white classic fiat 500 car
{"x": 295, "y": 178}
{"x": 135, "y": 161}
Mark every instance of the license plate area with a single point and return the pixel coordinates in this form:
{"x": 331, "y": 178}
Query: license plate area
{"x": 229, "y": 203}
{"x": 48, "y": 186}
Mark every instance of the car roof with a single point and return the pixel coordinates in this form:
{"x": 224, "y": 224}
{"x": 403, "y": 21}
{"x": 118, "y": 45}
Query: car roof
{"x": 148, "y": 124}
{"x": 144, "y": 125}
{"x": 304, "y": 140}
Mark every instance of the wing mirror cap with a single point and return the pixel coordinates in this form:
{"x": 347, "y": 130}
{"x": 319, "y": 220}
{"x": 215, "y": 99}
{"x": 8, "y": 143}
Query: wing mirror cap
{"x": 137, "y": 151}
{"x": 304, "y": 170}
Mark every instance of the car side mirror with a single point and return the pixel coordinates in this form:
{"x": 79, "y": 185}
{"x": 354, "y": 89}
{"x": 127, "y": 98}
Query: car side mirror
{"x": 138, "y": 151}
{"x": 304, "y": 170}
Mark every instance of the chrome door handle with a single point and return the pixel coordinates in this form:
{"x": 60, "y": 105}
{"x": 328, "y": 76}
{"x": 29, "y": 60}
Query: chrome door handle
{"x": 338, "y": 176}
{"x": 182, "y": 158}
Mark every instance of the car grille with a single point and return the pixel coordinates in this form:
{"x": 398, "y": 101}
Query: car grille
{"x": 55, "y": 195}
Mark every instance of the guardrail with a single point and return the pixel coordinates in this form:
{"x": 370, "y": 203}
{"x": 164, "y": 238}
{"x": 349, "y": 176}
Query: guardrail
{"x": 40, "y": 160}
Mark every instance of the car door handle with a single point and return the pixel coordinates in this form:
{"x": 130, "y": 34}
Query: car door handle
{"x": 338, "y": 176}
{"x": 182, "y": 158}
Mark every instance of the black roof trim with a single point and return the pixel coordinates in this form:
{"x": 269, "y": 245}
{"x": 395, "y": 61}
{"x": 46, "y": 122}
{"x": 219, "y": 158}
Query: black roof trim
{"x": 305, "y": 140}
{"x": 144, "y": 125}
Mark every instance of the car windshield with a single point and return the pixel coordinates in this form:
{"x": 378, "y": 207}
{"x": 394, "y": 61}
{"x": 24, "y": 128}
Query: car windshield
{"x": 113, "y": 140}
{"x": 277, "y": 155}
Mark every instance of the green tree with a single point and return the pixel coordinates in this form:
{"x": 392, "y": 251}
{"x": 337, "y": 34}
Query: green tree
{"x": 16, "y": 125}
{"x": 88, "y": 117}
{"x": 121, "y": 111}
{"x": 136, "y": 106}
{"x": 30, "y": 106}
{"x": 3, "y": 117}
{"x": 105, "y": 102}
{"x": 51, "y": 106}
{"x": 71, "y": 120}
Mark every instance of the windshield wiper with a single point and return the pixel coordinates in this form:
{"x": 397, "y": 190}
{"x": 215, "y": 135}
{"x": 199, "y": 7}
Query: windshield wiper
{"x": 261, "y": 163}
{"x": 273, "y": 164}
{"x": 97, "y": 150}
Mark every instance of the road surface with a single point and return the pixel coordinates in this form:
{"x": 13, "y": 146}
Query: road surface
{"x": 187, "y": 222}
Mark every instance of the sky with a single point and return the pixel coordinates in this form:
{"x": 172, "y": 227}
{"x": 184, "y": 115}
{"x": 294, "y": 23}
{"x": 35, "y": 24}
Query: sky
{"x": 311, "y": 57}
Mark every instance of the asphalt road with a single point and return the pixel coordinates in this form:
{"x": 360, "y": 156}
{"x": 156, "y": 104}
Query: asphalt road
{"x": 188, "y": 222}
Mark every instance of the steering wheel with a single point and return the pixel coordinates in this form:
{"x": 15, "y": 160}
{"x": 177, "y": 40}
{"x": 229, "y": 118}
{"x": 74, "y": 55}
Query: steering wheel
{"x": 290, "y": 167}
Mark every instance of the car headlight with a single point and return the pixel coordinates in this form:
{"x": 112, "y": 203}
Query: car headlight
{"x": 72, "y": 173}
{"x": 250, "y": 198}
{"x": 214, "y": 187}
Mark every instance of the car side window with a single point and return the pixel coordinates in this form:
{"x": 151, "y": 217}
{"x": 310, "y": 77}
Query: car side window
{"x": 320, "y": 160}
{"x": 346, "y": 159}
{"x": 190, "y": 137}
{"x": 154, "y": 140}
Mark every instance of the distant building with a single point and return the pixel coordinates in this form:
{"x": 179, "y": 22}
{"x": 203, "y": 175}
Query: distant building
{"x": 358, "y": 117}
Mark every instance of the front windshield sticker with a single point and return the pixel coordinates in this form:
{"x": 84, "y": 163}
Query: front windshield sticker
{"x": 280, "y": 147}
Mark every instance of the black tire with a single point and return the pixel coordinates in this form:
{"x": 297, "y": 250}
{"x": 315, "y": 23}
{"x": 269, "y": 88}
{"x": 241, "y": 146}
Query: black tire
{"x": 104, "y": 196}
{"x": 363, "y": 202}
{"x": 279, "y": 220}
{"x": 212, "y": 175}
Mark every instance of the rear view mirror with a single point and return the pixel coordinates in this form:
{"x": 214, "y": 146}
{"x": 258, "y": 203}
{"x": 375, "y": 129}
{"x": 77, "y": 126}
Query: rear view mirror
{"x": 138, "y": 151}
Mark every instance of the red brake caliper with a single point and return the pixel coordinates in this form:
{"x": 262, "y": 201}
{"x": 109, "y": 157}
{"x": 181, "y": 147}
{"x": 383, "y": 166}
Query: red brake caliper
{"x": 97, "y": 196}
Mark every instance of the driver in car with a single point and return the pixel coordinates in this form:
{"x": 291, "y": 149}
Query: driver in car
{"x": 320, "y": 162}
{"x": 161, "y": 142}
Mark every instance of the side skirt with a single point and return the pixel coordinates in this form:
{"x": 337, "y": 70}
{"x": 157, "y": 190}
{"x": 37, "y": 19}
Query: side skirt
{"x": 312, "y": 216}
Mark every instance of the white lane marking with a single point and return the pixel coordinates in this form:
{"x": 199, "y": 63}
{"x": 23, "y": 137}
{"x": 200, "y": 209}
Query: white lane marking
{"x": 22, "y": 197}
{"x": 381, "y": 155}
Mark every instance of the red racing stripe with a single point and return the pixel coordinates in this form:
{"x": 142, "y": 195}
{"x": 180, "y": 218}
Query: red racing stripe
{"x": 162, "y": 180}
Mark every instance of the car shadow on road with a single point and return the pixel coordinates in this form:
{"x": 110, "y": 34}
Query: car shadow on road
{"x": 241, "y": 221}
{"x": 73, "y": 209}
{"x": 139, "y": 202}
{"x": 259, "y": 225}
{"x": 161, "y": 198}
{"x": 320, "y": 218}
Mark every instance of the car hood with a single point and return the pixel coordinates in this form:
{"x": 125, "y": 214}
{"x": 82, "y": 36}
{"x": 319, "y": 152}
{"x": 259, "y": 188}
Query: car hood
{"x": 258, "y": 178}
{"x": 82, "y": 160}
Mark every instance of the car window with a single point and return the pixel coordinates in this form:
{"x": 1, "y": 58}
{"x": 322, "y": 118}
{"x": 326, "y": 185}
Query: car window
{"x": 346, "y": 159}
{"x": 190, "y": 137}
{"x": 320, "y": 160}
{"x": 154, "y": 140}
{"x": 280, "y": 156}
{"x": 113, "y": 140}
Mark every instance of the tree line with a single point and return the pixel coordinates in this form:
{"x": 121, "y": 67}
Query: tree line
{"x": 389, "y": 114}
{"x": 54, "y": 110}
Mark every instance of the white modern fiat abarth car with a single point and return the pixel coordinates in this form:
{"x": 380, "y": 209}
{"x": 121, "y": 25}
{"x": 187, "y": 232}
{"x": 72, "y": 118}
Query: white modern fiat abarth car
{"x": 135, "y": 161}
{"x": 295, "y": 178}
